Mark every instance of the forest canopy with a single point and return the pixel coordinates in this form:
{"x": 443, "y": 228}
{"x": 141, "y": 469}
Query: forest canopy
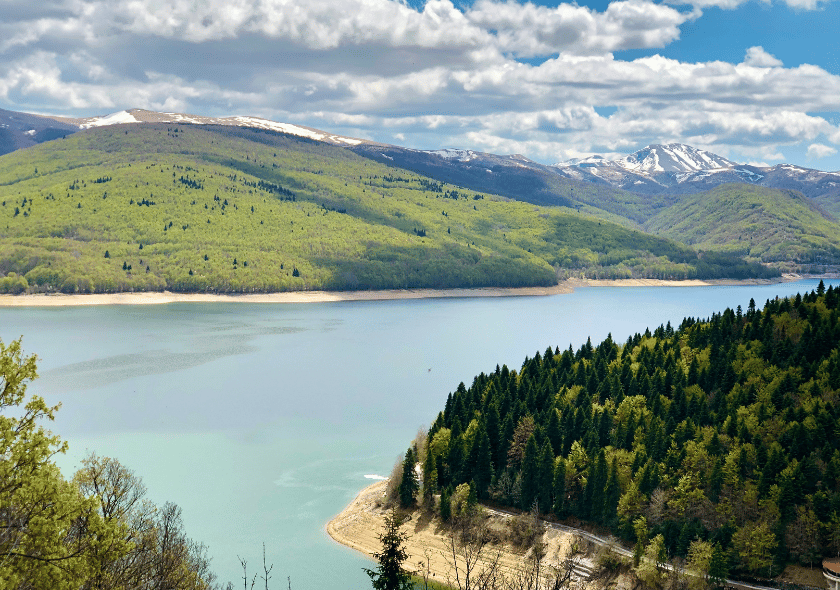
{"x": 723, "y": 430}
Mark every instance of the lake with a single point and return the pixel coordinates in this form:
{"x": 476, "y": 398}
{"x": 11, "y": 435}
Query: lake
{"x": 262, "y": 421}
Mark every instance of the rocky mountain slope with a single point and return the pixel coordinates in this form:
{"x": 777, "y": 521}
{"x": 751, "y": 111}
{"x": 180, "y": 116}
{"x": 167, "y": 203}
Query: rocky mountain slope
{"x": 681, "y": 169}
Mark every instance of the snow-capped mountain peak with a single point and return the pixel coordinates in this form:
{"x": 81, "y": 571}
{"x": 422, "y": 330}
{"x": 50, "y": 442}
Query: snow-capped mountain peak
{"x": 680, "y": 168}
{"x": 672, "y": 157}
{"x": 588, "y": 162}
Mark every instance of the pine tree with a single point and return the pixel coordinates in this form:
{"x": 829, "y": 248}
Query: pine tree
{"x": 595, "y": 484}
{"x": 483, "y": 469}
{"x": 530, "y": 474}
{"x": 555, "y": 435}
{"x": 445, "y": 506}
{"x": 429, "y": 477}
{"x": 560, "y": 488}
{"x": 455, "y": 456}
{"x": 718, "y": 567}
{"x": 409, "y": 484}
{"x": 493, "y": 429}
{"x": 545, "y": 479}
{"x": 389, "y": 574}
{"x": 612, "y": 493}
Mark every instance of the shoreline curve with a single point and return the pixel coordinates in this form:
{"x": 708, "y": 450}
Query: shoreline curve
{"x": 165, "y": 297}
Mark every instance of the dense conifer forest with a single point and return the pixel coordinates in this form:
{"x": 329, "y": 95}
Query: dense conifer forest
{"x": 724, "y": 431}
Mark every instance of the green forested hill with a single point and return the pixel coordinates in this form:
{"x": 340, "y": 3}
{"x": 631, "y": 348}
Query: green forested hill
{"x": 722, "y": 433}
{"x": 771, "y": 225}
{"x": 202, "y": 208}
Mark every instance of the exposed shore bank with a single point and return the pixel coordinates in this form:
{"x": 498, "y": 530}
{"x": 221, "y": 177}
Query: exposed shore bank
{"x": 157, "y": 298}
{"x": 361, "y": 522}
{"x": 358, "y": 526}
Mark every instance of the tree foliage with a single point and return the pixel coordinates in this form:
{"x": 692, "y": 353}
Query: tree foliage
{"x": 722, "y": 430}
{"x": 389, "y": 574}
{"x": 95, "y": 531}
{"x": 409, "y": 483}
{"x": 245, "y": 210}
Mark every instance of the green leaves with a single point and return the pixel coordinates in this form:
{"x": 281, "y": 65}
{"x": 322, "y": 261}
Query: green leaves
{"x": 93, "y": 532}
{"x": 304, "y": 215}
{"x": 45, "y": 523}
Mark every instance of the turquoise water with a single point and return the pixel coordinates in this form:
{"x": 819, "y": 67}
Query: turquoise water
{"x": 261, "y": 421}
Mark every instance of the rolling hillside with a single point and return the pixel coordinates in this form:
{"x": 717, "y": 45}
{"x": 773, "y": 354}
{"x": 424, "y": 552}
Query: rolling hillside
{"x": 222, "y": 208}
{"x": 661, "y": 189}
{"x": 770, "y": 225}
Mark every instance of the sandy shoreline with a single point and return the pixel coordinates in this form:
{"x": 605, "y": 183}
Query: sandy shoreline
{"x": 360, "y": 523}
{"x": 158, "y": 298}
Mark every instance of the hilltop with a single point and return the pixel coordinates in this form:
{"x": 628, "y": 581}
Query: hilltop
{"x": 778, "y": 226}
{"x": 213, "y": 208}
{"x": 602, "y": 218}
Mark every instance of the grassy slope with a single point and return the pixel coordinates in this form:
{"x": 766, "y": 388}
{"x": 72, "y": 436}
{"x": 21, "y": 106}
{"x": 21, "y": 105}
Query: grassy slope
{"x": 766, "y": 224}
{"x": 353, "y": 224}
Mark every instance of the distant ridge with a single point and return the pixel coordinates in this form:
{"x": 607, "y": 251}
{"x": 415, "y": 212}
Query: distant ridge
{"x": 634, "y": 187}
{"x": 144, "y": 116}
{"x": 22, "y": 130}
{"x": 676, "y": 169}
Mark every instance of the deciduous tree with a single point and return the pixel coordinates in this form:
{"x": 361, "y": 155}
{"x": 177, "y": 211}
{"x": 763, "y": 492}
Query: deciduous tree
{"x": 46, "y": 525}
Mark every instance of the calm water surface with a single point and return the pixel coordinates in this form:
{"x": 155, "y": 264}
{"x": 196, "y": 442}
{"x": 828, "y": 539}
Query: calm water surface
{"x": 262, "y": 421}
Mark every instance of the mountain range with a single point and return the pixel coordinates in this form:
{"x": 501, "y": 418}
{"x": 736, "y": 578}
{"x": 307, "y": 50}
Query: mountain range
{"x": 678, "y": 168}
{"x": 653, "y": 170}
{"x": 782, "y": 217}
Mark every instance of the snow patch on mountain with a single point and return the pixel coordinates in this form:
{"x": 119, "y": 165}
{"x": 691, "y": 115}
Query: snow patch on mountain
{"x": 118, "y": 118}
{"x": 748, "y": 174}
{"x": 588, "y": 162}
{"x": 672, "y": 157}
{"x": 453, "y": 154}
{"x": 144, "y": 116}
{"x": 282, "y": 127}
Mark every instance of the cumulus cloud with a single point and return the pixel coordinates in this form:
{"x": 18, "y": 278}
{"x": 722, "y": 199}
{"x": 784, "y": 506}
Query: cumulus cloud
{"x": 501, "y": 75}
{"x": 732, "y": 4}
{"x": 530, "y": 30}
{"x": 757, "y": 57}
{"x": 818, "y": 150}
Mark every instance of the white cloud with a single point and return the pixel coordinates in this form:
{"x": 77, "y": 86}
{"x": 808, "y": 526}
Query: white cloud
{"x": 804, "y": 4}
{"x": 437, "y": 75}
{"x": 732, "y": 4}
{"x": 522, "y": 29}
{"x": 818, "y": 150}
{"x": 757, "y": 57}
{"x": 530, "y": 30}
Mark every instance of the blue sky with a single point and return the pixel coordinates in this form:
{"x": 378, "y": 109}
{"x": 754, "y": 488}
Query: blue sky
{"x": 755, "y": 81}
